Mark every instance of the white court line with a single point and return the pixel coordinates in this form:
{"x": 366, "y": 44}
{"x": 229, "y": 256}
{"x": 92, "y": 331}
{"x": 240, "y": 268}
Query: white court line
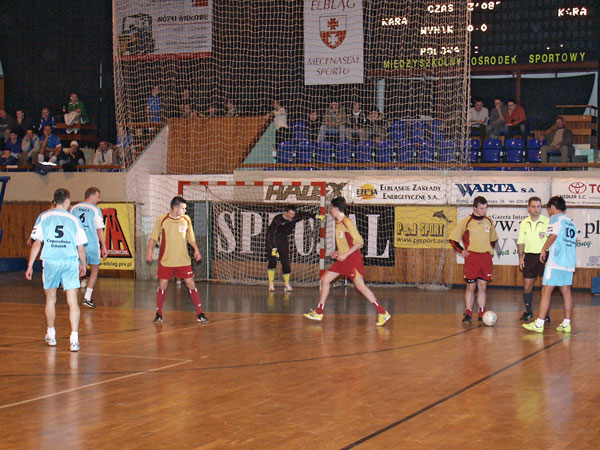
{"x": 85, "y": 386}
{"x": 161, "y": 333}
{"x": 94, "y": 354}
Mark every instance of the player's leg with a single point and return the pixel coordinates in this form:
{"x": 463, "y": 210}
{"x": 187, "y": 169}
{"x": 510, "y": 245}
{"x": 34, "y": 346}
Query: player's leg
{"x": 161, "y": 294}
{"x": 538, "y": 324}
{"x": 50, "y": 311}
{"x": 326, "y": 281}
{"x": 567, "y": 294}
{"x": 469, "y": 300}
{"x": 382, "y": 315}
{"x": 271, "y": 266}
{"x": 286, "y": 269}
{"x": 87, "y": 297}
{"x": 527, "y": 298}
{"x": 74, "y": 314}
{"x": 481, "y": 297}
{"x": 195, "y": 297}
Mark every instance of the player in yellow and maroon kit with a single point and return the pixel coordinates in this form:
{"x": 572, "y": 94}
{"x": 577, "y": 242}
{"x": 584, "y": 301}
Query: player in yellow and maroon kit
{"x": 478, "y": 233}
{"x": 349, "y": 263}
{"x": 174, "y": 232}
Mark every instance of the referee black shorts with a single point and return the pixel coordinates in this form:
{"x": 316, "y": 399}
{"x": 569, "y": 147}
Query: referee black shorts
{"x": 533, "y": 267}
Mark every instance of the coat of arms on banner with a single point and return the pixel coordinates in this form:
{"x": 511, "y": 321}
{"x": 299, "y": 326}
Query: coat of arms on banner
{"x": 333, "y": 30}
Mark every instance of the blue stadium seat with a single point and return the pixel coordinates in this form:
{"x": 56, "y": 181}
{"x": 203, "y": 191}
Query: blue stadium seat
{"x": 534, "y": 148}
{"x": 426, "y": 152}
{"x": 364, "y": 151}
{"x": 396, "y": 135}
{"x": 299, "y": 125}
{"x": 405, "y": 152}
{"x": 344, "y": 151}
{"x": 513, "y": 151}
{"x": 300, "y": 135}
{"x": 385, "y": 151}
{"x": 305, "y": 152}
{"x": 324, "y": 152}
{"x": 285, "y": 152}
{"x": 474, "y": 146}
{"x": 490, "y": 151}
{"x": 447, "y": 152}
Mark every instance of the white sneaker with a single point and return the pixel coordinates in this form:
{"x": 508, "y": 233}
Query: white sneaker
{"x": 50, "y": 341}
{"x": 288, "y": 288}
{"x": 74, "y": 346}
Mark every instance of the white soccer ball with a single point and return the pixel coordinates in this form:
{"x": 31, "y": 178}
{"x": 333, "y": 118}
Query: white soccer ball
{"x": 490, "y": 318}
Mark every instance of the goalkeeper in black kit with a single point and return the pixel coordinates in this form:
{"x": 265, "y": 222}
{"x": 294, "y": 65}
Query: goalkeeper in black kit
{"x": 278, "y": 246}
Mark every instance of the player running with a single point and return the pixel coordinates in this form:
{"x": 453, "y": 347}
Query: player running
{"x": 92, "y": 223}
{"x": 64, "y": 241}
{"x": 559, "y": 254}
{"x": 278, "y": 246}
{"x": 479, "y": 235}
{"x": 532, "y": 236}
{"x": 174, "y": 232}
{"x": 349, "y": 263}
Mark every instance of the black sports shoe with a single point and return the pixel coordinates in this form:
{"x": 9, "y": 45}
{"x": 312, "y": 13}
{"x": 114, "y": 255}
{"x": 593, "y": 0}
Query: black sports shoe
{"x": 202, "y": 318}
{"x": 480, "y": 318}
{"x": 89, "y": 303}
{"x": 158, "y": 318}
{"x": 467, "y": 319}
{"x": 547, "y": 320}
{"x": 526, "y": 317}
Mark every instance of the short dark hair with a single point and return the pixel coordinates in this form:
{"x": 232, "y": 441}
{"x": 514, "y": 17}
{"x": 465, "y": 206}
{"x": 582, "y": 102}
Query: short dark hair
{"x": 558, "y": 202}
{"x": 511, "y": 100}
{"x": 498, "y": 98}
{"x": 61, "y": 195}
{"x": 340, "y": 204}
{"x": 561, "y": 118}
{"x": 91, "y": 191}
{"x": 480, "y": 200}
{"x": 533, "y": 199}
{"x": 290, "y": 208}
{"x": 177, "y": 200}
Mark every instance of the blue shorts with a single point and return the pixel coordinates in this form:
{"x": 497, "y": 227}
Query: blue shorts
{"x": 92, "y": 253}
{"x": 61, "y": 271}
{"x": 557, "y": 277}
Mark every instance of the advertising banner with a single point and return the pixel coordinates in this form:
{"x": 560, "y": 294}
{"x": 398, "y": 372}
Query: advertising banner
{"x": 395, "y": 191}
{"x": 119, "y": 233}
{"x": 502, "y": 191}
{"x": 577, "y": 191}
{"x": 507, "y": 222}
{"x": 166, "y": 29}
{"x": 423, "y": 226}
{"x": 333, "y": 42}
{"x": 304, "y": 194}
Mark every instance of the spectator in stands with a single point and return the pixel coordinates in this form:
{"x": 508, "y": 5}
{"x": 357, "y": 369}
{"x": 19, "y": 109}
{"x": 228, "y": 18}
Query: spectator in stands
{"x": 73, "y": 157}
{"x": 154, "y": 105}
{"x": 185, "y": 105}
{"x": 333, "y": 123}
{"x": 516, "y": 121}
{"x": 30, "y": 145}
{"x": 478, "y": 118}
{"x": 46, "y": 119}
{"x": 187, "y": 112}
{"x": 376, "y": 126}
{"x": 8, "y": 159}
{"x": 279, "y": 115}
{"x": 211, "y": 112}
{"x": 7, "y": 123}
{"x": 230, "y": 109}
{"x": 123, "y": 141}
{"x": 104, "y": 154}
{"x": 75, "y": 113}
{"x": 14, "y": 145}
{"x": 312, "y": 126}
{"x": 357, "y": 123}
{"x": 559, "y": 139}
{"x": 50, "y": 146}
{"x": 22, "y": 123}
{"x": 497, "y": 119}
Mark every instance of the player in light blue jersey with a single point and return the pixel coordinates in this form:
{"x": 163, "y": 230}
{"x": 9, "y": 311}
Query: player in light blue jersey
{"x": 92, "y": 223}
{"x": 64, "y": 241}
{"x": 559, "y": 255}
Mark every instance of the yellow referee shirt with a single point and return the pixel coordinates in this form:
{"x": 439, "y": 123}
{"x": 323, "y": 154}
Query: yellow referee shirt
{"x": 533, "y": 234}
{"x": 174, "y": 235}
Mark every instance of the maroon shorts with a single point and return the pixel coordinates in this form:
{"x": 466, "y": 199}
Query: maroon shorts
{"x": 167, "y": 273}
{"x": 478, "y": 265}
{"x": 532, "y": 267}
{"x": 350, "y": 266}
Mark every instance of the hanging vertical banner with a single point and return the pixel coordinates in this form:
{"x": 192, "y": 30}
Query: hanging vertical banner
{"x": 333, "y": 42}
{"x": 119, "y": 233}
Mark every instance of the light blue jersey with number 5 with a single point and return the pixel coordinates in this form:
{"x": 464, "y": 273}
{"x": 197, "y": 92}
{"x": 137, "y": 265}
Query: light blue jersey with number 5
{"x": 60, "y": 232}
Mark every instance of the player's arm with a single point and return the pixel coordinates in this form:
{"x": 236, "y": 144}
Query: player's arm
{"x": 197, "y": 255}
{"x": 153, "y": 239}
{"x": 35, "y": 249}
{"x": 547, "y": 244}
{"x": 82, "y": 260}
{"x": 270, "y": 240}
{"x": 191, "y": 239}
{"x": 151, "y": 244}
{"x": 521, "y": 250}
{"x": 102, "y": 240}
{"x": 455, "y": 238}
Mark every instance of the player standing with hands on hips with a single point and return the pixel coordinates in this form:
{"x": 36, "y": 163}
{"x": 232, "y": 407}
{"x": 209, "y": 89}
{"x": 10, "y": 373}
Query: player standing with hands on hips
{"x": 64, "y": 241}
{"x": 559, "y": 255}
{"x": 174, "y": 232}
{"x": 532, "y": 237}
{"x": 478, "y": 233}
{"x": 349, "y": 263}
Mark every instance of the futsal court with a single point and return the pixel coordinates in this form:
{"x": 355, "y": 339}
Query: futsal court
{"x": 260, "y": 375}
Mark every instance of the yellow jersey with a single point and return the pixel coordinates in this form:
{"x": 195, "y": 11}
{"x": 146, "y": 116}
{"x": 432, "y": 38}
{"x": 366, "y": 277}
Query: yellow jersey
{"x": 346, "y": 235}
{"x": 174, "y": 236}
{"x": 477, "y": 233}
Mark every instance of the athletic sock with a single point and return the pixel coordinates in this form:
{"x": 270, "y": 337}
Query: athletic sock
{"x": 271, "y": 275}
{"x": 481, "y": 311}
{"x": 320, "y": 308}
{"x": 380, "y": 309}
{"x": 566, "y": 322}
{"x": 51, "y": 332}
{"x": 74, "y": 336}
{"x": 160, "y": 299}
{"x": 468, "y": 312}
{"x": 88, "y": 293}
{"x": 196, "y": 300}
{"x": 539, "y": 322}
{"x": 286, "y": 278}
{"x": 527, "y": 299}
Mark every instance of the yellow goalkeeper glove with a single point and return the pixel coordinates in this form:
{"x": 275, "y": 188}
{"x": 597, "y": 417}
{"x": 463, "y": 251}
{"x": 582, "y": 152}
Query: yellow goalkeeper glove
{"x": 321, "y": 216}
{"x": 274, "y": 252}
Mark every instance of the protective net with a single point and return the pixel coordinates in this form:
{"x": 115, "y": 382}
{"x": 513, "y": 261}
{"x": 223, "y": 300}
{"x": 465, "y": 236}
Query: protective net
{"x": 358, "y": 83}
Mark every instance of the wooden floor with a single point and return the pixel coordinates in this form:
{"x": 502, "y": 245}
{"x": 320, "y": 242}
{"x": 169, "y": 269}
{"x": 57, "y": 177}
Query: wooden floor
{"x": 259, "y": 375}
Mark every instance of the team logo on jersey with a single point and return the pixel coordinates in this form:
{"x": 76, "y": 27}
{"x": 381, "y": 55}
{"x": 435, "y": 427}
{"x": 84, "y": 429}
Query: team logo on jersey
{"x": 333, "y": 30}
{"x": 182, "y": 228}
{"x": 486, "y": 228}
{"x": 366, "y": 192}
{"x": 116, "y": 243}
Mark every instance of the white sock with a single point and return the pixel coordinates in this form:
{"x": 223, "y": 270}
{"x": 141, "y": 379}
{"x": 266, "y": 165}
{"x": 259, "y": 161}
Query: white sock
{"x": 74, "y": 336}
{"x": 566, "y": 322}
{"x": 51, "y": 332}
{"x": 88, "y": 293}
{"x": 539, "y": 322}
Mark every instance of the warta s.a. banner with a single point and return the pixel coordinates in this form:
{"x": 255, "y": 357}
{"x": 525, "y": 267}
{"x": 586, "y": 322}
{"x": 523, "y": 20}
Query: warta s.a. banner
{"x": 333, "y": 42}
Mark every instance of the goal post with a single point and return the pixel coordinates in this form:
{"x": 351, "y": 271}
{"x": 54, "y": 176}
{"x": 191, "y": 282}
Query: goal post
{"x": 231, "y": 219}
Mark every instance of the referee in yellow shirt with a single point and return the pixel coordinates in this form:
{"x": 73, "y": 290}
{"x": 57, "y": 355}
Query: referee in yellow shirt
{"x": 532, "y": 236}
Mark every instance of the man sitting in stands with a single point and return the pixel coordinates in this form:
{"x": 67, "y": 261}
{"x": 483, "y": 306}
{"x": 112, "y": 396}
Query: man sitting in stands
{"x": 7, "y": 123}
{"x": 559, "y": 139}
{"x": 357, "y": 123}
{"x": 76, "y": 106}
{"x": 312, "y": 126}
{"x": 497, "y": 119}
{"x": 30, "y": 145}
{"x": 333, "y": 123}
{"x": 72, "y": 158}
{"x": 22, "y": 124}
{"x": 50, "y": 146}
{"x": 231, "y": 110}
{"x": 14, "y": 145}
{"x": 46, "y": 119}
{"x": 7, "y": 159}
{"x": 123, "y": 143}
{"x": 516, "y": 121}
{"x": 104, "y": 155}
{"x": 154, "y": 105}
{"x": 478, "y": 118}
{"x": 279, "y": 115}
{"x": 376, "y": 126}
